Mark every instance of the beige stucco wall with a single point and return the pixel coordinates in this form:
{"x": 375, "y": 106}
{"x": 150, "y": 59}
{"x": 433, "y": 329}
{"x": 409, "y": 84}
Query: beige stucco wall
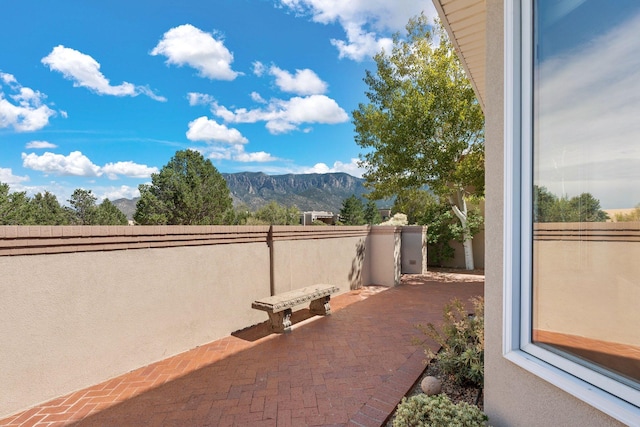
{"x": 79, "y": 305}
{"x": 585, "y": 281}
{"x": 384, "y": 255}
{"x": 512, "y": 396}
{"x": 413, "y": 251}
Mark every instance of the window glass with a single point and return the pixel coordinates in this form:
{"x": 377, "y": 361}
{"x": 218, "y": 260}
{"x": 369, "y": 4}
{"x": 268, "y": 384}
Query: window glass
{"x": 586, "y": 183}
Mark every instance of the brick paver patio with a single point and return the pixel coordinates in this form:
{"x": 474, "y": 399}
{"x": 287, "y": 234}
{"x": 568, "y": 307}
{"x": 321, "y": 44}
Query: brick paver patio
{"x": 351, "y": 368}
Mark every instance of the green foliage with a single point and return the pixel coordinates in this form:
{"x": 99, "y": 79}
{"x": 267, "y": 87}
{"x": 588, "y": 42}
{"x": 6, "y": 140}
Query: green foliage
{"x": 45, "y": 210}
{"x": 275, "y": 214}
{"x": 83, "y": 207}
{"x": 108, "y": 214}
{"x": 14, "y": 207}
{"x": 188, "y": 190}
{"x": 550, "y": 208}
{"x": 632, "y": 216}
{"x": 437, "y": 411}
{"x": 423, "y": 124}
{"x": 462, "y": 343}
{"x": 423, "y": 208}
{"x": 371, "y": 213}
{"x": 352, "y": 212}
{"x": 319, "y": 223}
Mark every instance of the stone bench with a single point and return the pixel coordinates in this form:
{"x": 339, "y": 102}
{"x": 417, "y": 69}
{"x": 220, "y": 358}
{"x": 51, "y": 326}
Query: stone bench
{"x": 279, "y": 306}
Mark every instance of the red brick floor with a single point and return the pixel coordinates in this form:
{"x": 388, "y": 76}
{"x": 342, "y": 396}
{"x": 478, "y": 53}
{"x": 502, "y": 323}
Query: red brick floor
{"x": 351, "y": 368}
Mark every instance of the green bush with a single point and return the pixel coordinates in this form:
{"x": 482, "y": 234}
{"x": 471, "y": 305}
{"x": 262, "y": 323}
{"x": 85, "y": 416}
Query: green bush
{"x": 462, "y": 343}
{"x": 437, "y": 411}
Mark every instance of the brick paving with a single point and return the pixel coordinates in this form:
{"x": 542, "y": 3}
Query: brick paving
{"x": 348, "y": 369}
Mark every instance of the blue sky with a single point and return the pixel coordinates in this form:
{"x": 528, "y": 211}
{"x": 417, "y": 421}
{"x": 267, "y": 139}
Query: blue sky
{"x": 99, "y": 95}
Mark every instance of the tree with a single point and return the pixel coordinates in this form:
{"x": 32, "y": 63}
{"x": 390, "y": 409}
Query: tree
{"x": 108, "y": 214}
{"x": 423, "y": 124}
{"x": 371, "y": 213}
{"x": 83, "y": 209}
{"x": 352, "y": 212}
{"x": 46, "y": 210}
{"x": 188, "y": 190}
{"x": 14, "y": 207}
{"x": 547, "y": 207}
{"x": 275, "y": 214}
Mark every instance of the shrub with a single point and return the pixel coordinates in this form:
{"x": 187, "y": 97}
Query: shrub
{"x": 437, "y": 411}
{"x": 462, "y": 343}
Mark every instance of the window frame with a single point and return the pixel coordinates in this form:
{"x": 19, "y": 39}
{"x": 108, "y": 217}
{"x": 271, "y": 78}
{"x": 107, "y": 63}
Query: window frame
{"x": 610, "y": 396}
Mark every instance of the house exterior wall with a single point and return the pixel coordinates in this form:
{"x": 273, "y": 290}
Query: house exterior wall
{"x": 512, "y": 396}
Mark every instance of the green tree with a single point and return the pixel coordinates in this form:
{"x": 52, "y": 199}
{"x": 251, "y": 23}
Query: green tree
{"x": 83, "y": 209}
{"x": 352, "y": 211}
{"x": 188, "y": 190}
{"x": 14, "y": 207}
{"x": 423, "y": 124}
{"x": 276, "y": 214}
{"x": 371, "y": 213}
{"x": 46, "y": 210}
{"x": 108, "y": 214}
{"x": 547, "y": 207}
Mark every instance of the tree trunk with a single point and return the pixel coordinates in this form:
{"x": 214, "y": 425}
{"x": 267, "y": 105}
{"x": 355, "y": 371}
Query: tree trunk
{"x": 467, "y": 238}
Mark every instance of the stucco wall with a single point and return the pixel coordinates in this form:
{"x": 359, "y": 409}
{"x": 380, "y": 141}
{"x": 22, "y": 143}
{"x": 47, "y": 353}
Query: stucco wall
{"x": 512, "y": 396}
{"x": 384, "y": 258}
{"x": 79, "y": 305}
{"x": 414, "y": 249}
{"x": 586, "y": 280}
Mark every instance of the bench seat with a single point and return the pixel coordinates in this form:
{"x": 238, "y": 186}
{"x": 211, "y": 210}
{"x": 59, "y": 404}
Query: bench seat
{"x": 278, "y": 307}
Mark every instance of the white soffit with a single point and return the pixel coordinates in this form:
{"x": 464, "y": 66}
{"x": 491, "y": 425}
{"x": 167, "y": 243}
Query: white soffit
{"x": 464, "y": 20}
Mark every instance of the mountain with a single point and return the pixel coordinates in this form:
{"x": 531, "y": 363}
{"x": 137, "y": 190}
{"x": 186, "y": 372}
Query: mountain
{"x": 319, "y": 192}
{"x": 309, "y": 192}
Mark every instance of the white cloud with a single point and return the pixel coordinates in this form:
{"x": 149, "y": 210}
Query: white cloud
{"x": 352, "y": 168}
{"x": 39, "y": 145}
{"x": 7, "y": 177}
{"x": 236, "y": 152}
{"x": 204, "y": 129}
{"x": 128, "y": 169}
{"x": 84, "y": 71}
{"x": 258, "y": 68}
{"x": 196, "y": 98}
{"x": 27, "y": 112}
{"x": 361, "y": 44}
{"x": 362, "y": 20}
{"x": 255, "y": 96}
{"x": 188, "y": 45}
{"x": 122, "y": 192}
{"x": 75, "y": 164}
{"x": 304, "y": 82}
{"x": 259, "y": 156}
{"x": 285, "y": 116}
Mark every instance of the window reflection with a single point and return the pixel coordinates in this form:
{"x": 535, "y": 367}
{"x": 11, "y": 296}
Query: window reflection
{"x": 586, "y": 160}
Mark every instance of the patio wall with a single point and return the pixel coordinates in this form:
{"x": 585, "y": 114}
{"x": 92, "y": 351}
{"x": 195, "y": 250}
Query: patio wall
{"x": 79, "y": 305}
{"x": 582, "y": 271}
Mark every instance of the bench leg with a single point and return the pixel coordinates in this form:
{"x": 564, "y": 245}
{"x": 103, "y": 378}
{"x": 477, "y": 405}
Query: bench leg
{"x": 321, "y": 306}
{"x": 280, "y": 321}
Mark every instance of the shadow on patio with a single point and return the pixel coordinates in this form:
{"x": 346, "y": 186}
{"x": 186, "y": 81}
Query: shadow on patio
{"x": 351, "y": 368}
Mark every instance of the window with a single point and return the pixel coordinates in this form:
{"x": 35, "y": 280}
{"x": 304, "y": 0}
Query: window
{"x": 572, "y": 150}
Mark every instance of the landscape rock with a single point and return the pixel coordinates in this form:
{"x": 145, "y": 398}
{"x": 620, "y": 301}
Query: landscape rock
{"x": 431, "y": 386}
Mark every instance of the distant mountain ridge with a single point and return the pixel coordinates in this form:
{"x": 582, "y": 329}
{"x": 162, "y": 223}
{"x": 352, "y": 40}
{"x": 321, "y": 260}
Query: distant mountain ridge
{"x": 309, "y": 192}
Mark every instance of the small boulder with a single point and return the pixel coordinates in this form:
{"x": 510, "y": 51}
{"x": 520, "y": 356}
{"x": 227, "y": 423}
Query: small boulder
{"x": 431, "y": 386}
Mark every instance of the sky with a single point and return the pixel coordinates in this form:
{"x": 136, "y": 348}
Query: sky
{"x": 587, "y": 123}
{"x": 100, "y": 95}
